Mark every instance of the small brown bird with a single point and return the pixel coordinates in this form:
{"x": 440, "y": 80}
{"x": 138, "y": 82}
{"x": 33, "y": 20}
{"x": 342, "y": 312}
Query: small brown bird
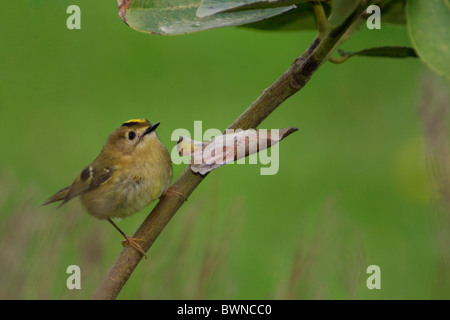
{"x": 132, "y": 170}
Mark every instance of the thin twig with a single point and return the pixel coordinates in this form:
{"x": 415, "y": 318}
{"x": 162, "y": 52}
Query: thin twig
{"x": 287, "y": 85}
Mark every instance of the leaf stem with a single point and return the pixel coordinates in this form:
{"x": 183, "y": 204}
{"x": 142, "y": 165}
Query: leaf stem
{"x": 320, "y": 16}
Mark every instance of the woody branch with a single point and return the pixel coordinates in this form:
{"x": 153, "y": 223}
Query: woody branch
{"x": 289, "y": 83}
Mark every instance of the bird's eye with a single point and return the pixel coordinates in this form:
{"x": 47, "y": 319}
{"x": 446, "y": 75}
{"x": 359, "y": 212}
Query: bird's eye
{"x": 131, "y": 135}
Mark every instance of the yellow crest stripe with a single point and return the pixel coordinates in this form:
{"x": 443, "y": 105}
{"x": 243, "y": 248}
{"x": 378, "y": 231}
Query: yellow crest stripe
{"x": 134, "y": 122}
{"x": 137, "y": 120}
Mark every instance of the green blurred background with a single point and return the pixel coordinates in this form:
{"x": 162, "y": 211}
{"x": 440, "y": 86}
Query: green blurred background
{"x": 353, "y": 188}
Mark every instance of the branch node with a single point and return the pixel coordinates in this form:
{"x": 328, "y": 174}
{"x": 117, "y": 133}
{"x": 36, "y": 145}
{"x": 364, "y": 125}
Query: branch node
{"x": 295, "y": 83}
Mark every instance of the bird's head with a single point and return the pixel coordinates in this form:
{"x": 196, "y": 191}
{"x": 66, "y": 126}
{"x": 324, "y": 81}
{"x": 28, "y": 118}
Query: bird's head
{"x": 132, "y": 136}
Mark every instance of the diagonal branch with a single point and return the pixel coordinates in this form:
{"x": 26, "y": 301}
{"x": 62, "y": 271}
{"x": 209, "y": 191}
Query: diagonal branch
{"x": 287, "y": 85}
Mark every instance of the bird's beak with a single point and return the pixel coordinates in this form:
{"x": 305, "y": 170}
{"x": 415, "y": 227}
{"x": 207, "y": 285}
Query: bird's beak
{"x": 151, "y": 128}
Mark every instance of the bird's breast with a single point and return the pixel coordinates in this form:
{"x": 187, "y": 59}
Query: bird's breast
{"x": 134, "y": 186}
{"x": 144, "y": 184}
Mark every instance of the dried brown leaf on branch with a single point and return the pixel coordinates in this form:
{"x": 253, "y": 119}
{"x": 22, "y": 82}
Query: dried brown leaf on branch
{"x": 231, "y": 146}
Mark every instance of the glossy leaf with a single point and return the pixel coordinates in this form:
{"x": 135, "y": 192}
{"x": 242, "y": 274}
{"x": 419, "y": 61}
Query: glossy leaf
{"x": 170, "y": 17}
{"x": 429, "y": 26}
{"x": 210, "y": 7}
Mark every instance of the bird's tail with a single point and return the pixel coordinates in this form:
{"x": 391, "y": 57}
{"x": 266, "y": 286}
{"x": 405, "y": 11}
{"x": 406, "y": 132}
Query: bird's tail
{"x": 60, "y": 195}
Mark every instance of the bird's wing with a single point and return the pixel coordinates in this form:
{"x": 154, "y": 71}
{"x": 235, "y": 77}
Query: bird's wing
{"x": 89, "y": 179}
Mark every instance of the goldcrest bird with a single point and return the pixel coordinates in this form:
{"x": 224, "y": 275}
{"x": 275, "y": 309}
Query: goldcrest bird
{"x": 132, "y": 170}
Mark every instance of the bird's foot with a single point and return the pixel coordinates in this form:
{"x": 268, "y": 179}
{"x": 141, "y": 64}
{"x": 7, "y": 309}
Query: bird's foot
{"x": 134, "y": 243}
{"x": 172, "y": 192}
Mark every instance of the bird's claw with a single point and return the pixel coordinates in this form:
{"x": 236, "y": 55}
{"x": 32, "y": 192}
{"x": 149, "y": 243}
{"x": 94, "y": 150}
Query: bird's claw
{"x": 134, "y": 243}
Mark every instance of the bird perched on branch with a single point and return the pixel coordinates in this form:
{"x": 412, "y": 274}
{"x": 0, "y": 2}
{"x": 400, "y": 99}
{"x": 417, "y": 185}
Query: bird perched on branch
{"x": 132, "y": 170}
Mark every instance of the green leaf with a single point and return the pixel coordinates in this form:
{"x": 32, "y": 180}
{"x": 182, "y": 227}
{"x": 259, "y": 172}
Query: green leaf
{"x": 301, "y": 18}
{"x": 170, "y": 17}
{"x": 386, "y": 51}
{"x": 429, "y": 29}
{"x": 210, "y": 7}
{"x": 342, "y": 10}
{"x": 393, "y": 12}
